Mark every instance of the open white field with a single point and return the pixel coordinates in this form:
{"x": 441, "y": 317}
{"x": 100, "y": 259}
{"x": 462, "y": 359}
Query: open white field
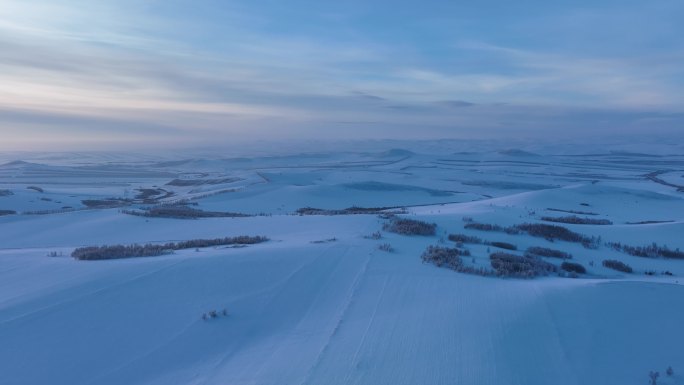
{"x": 320, "y": 303}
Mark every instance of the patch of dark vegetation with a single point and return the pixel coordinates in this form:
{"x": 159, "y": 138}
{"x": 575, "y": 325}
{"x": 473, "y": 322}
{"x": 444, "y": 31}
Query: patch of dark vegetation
{"x": 585, "y": 204}
{"x": 6, "y": 193}
{"x": 617, "y": 265}
{"x": 575, "y": 220}
{"x": 36, "y": 188}
{"x": 651, "y": 251}
{"x": 409, "y": 227}
{"x": 46, "y": 199}
{"x": 7, "y": 212}
{"x": 325, "y": 240}
{"x": 511, "y": 265}
{"x": 648, "y": 222}
{"x": 354, "y": 210}
{"x": 573, "y": 267}
{"x": 93, "y": 253}
{"x": 200, "y": 182}
{"x": 447, "y": 257}
{"x": 462, "y": 238}
{"x": 573, "y": 211}
{"x": 152, "y": 195}
{"x": 553, "y": 232}
{"x": 181, "y": 212}
{"x": 546, "y": 252}
{"x": 376, "y": 235}
{"x": 213, "y": 314}
{"x": 549, "y": 232}
{"x": 386, "y": 247}
{"x": 106, "y": 203}
{"x": 504, "y": 245}
{"x": 489, "y": 227}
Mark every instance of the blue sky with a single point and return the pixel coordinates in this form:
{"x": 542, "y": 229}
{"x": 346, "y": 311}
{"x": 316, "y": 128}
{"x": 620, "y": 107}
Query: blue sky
{"x": 110, "y": 74}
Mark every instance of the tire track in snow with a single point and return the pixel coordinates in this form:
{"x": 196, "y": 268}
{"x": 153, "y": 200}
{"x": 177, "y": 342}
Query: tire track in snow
{"x": 89, "y": 294}
{"x": 246, "y": 340}
{"x": 347, "y": 303}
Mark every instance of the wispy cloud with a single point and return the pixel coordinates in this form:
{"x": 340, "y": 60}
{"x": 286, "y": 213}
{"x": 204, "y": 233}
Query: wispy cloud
{"x": 134, "y": 69}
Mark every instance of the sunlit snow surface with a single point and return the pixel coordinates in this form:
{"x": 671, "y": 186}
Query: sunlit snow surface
{"x": 336, "y": 312}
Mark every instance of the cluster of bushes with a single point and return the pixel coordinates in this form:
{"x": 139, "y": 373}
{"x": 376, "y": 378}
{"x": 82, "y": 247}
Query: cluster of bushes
{"x": 410, "y": 227}
{"x": 504, "y": 245}
{"x": 106, "y": 203}
{"x": 151, "y": 195}
{"x": 573, "y": 267}
{"x": 354, "y": 210}
{"x": 444, "y": 257}
{"x": 7, "y": 212}
{"x": 490, "y": 227}
{"x": 651, "y": 251}
{"x": 546, "y": 252}
{"x": 386, "y": 247}
{"x": 511, "y": 265}
{"x": 92, "y": 253}
{"x": 6, "y": 193}
{"x": 376, "y": 235}
{"x": 575, "y": 220}
{"x": 617, "y": 265}
{"x": 553, "y": 232}
{"x": 211, "y": 314}
{"x": 462, "y": 238}
{"x": 181, "y": 212}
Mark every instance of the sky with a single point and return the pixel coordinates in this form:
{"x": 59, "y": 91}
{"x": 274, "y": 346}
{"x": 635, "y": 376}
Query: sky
{"x": 117, "y": 74}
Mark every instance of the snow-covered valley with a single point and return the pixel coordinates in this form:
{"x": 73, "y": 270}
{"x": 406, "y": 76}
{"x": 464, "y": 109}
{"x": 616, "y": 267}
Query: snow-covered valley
{"x": 322, "y": 302}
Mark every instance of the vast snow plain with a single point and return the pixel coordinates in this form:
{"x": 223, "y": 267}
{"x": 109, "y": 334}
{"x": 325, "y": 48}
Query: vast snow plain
{"x": 320, "y": 303}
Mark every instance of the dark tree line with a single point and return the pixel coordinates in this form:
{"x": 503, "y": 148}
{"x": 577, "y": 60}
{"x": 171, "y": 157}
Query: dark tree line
{"x": 651, "y": 251}
{"x": 575, "y": 220}
{"x": 354, "y": 210}
{"x": 573, "y": 267}
{"x": 92, "y": 253}
{"x": 511, "y": 265}
{"x": 546, "y": 252}
{"x": 181, "y": 212}
{"x": 617, "y": 265}
{"x": 410, "y": 227}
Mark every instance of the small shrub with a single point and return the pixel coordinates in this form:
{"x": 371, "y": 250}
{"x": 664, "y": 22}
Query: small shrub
{"x": 573, "y": 267}
{"x": 386, "y": 247}
{"x": 617, "y": 265}
{"x": 546, "y": 252}
{"x": 653, "y": 376}
{"x": 669, "y": 371}
{"x": 6, "y": 193}
{"x": 504, "y": 245}
{"x": 410, "y": 227}
{"x": 376, "y": 235}
{"x": 7, "y": 212}
{"x": 35, "y": 188}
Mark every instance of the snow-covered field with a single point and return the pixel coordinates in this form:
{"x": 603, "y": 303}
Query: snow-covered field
{"x": 319, "y": 303}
